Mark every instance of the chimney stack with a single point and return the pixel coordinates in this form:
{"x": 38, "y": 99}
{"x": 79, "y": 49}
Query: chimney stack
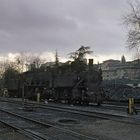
{"x": 90, "y": 64}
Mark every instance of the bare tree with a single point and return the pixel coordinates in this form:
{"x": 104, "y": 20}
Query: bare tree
{"x": 132, "y": 21}
{"x": 3, "y": 67}
{"x": 26, "y": 61}
{"x": 37, "y": 61}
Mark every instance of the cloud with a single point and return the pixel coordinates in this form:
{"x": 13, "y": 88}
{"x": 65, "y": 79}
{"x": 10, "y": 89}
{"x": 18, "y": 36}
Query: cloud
{"x": 40, "y": 26}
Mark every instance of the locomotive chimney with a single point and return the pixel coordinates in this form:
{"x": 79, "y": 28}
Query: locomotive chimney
{"x": 90, "y": 64}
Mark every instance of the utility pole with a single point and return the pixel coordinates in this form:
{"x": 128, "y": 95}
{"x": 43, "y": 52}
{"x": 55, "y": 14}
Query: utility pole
{"x": 22, "y": 93}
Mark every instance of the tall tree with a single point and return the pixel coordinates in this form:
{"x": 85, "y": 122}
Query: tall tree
{"x": 80, "y": 53}
{"x": 78, "y": 56}
{"x": 132, "y": 21}
{"x": 56, "y": 59}
{"x": 10, "y": 73}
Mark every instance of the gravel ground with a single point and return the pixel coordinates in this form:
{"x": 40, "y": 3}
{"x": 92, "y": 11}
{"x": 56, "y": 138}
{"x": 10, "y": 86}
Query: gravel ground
{"x": 9, "y": 134}
{"x": 102, "y": 129}
{"x": 111, "y": 130}
{"x": 13, "y": 136}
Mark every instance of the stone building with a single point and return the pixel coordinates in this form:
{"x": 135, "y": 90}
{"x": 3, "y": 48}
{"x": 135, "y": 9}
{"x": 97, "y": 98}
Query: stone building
{"x": 121, "y": 71}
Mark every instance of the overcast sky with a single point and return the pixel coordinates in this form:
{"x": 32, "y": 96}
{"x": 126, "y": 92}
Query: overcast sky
{"x": 43, "y": 26}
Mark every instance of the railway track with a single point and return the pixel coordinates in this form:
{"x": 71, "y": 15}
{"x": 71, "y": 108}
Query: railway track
{"x": 25, "y": 132}
{"x": 92, "y": 112}
{"x": 38, "y": 130}
{"x": 120, "y": 106}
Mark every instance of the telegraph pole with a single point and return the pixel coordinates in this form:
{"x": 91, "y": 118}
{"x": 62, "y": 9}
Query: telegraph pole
{"x": 22, "y": 93}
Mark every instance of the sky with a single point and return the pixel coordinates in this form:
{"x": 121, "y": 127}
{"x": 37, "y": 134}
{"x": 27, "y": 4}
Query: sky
{"x": 44, "y": 26}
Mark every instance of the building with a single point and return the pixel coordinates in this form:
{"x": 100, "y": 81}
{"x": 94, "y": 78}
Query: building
{"x": 121, "y": 71}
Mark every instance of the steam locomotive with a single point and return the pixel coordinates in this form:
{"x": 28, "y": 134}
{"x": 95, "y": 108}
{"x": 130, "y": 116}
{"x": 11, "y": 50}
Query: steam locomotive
{"x": 63, "y": 84}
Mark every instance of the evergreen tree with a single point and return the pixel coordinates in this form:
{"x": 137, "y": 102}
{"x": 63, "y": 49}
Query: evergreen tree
{"x": 56, "y": 59}
{"x": 79, "y": 56}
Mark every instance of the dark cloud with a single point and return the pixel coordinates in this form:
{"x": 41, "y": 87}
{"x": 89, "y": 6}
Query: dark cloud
{"x": 47, "y": 25}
